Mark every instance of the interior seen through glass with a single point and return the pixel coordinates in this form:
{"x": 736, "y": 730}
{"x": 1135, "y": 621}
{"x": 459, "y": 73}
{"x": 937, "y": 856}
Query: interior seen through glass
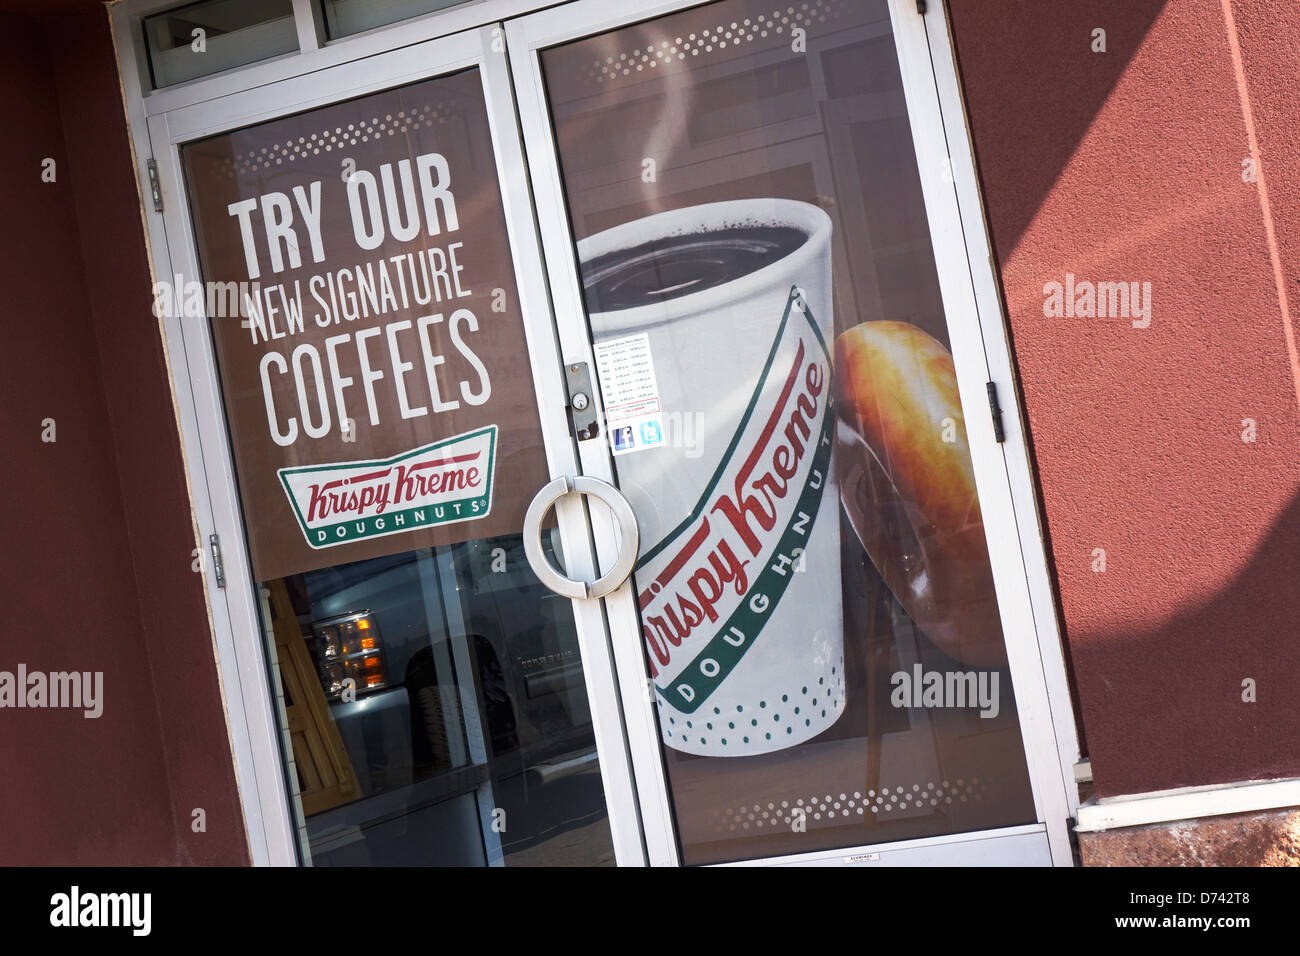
{"x": 470, "y": 710}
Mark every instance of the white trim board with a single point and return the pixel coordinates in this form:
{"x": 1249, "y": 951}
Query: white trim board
{"x": 1166, "y": 806}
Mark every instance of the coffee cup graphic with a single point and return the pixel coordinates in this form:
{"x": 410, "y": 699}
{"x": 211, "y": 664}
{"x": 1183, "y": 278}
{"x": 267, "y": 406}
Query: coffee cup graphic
{"x": 738, "y": 577}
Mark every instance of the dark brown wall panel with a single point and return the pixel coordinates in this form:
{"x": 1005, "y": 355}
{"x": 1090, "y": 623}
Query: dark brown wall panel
{"x": 99, "y": 537}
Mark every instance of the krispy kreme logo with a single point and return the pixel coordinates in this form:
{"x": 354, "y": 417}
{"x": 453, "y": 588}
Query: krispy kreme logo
{"x": 717, "y": 579}
{"x": 443, "y": 483}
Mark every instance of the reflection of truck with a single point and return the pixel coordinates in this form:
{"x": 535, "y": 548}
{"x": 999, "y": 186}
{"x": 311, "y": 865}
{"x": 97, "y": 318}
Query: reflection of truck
{"x": 466, "y": 669}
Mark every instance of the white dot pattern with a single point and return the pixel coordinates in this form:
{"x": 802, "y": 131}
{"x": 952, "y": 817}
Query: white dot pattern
{"x": 724, "y": 36}
{"x": 826, "y": 809}
{"x": 338, "y": 139}
{"x": 761, "y": 724}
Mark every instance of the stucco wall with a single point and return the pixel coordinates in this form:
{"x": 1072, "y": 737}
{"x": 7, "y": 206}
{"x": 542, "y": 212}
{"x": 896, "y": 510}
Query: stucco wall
{"x": 97, "y": 533}
{"x": 1127, "y": 166}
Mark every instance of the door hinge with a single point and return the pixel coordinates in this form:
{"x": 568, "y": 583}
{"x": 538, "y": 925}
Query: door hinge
{"x": 218, "y": 566}
{"x": 920, "y": 7}
{"x": 999, "y": 434}
{"x": 154, "y": 189}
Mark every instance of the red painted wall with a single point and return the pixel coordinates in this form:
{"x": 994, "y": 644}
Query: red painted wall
{"x": 1127, "y": 166}
{"x": 98, "y": 534}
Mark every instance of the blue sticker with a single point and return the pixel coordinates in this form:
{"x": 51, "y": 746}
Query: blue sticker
{"x": 623, "y": 438}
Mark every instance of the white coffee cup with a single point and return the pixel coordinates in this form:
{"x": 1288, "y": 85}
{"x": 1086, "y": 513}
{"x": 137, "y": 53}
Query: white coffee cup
{"x": 739, "y": 585}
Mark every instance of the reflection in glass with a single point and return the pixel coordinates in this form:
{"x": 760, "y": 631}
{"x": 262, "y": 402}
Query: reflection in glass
{"x": 213, "y": 35}
{"x": 345, "y": 17}
{"x": 464, "y": 735}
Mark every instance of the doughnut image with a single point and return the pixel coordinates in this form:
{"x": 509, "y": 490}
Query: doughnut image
{"x": 909, "y": 493}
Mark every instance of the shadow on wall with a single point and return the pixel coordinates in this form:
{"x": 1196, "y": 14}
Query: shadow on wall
{"x": 1031, "y": 83}
{"x": 1060, "y": 88}
{"x": 1175, "y": 693}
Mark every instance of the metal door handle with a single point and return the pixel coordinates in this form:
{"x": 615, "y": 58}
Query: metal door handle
{"x": 545, "y": 499}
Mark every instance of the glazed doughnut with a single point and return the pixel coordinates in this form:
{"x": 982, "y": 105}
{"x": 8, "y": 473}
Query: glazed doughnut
{"x": 909, "y": 494}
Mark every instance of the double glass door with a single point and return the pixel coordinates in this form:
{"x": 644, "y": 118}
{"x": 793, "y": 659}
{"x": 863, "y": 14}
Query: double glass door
{"x": 602, "y": 491}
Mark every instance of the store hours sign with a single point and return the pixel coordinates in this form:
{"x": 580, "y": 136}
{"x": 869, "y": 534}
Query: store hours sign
{"x": 375, "y": 375}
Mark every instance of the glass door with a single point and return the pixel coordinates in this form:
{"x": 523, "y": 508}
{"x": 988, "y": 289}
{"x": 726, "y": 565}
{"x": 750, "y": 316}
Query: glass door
{"x": 818, "y": 659}
{"x": 727, "y": 299}
{"x": 369, "y": 344}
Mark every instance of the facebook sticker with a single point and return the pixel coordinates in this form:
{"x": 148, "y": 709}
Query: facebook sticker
{"x": 624, "y": 438}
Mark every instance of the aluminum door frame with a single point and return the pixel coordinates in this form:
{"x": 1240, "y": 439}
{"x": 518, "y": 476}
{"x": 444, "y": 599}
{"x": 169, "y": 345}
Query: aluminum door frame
{"x": 981, "y": 350}
{"x": 256, "y": 741}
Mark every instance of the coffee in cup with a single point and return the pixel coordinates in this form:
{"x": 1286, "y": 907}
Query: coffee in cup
{"x": 739, "y": 571}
